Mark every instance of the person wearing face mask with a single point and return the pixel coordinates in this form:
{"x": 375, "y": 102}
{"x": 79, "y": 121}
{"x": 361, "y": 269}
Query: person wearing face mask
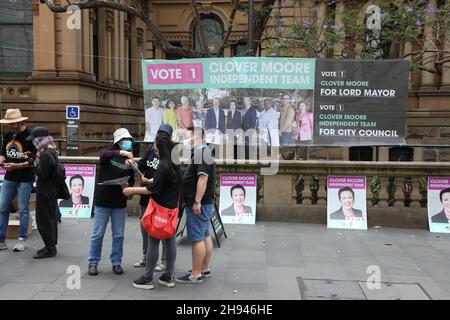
{"x": 110, "y": 202}
{"x": 16, "y": 157}
{"x": 46, "y": 190}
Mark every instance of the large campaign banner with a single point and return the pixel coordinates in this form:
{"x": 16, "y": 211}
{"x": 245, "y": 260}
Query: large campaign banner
{"x": 439, "y": 204}
{"x": 80, "y": 179}
{"x": 346, "y": 202}
{"x": 238, "y": 198}
{"x": 278, "y": 101}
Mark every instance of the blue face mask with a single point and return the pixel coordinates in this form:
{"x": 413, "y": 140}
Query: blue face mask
{"x": 127, "y": 145}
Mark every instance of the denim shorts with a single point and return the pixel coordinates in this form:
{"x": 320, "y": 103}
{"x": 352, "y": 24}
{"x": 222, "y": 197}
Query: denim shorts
{"x": 198, "y": 226}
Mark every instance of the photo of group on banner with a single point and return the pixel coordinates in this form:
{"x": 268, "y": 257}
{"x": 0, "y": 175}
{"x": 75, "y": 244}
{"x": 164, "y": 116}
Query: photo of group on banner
{"x": 233, "y": 116}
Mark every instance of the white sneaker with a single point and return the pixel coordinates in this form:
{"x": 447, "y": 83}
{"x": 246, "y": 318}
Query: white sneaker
{"x": 160, "y": 267}
{"x": 20, "y": 245}
{"x": 139, "y": 264}
{"x": 3, "y": 245}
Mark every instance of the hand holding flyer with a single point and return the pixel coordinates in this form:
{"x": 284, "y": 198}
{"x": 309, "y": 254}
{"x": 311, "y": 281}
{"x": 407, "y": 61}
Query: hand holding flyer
{"x": 135, "y": 168}
{"x": 115, "y": 182}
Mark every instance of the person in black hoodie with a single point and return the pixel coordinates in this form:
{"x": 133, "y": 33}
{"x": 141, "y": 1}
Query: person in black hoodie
{"x": 165, "y": 191}
{"x": 148, "y": 166}
{"x": 110, "y": 202}
{"x": 46, "y": 191}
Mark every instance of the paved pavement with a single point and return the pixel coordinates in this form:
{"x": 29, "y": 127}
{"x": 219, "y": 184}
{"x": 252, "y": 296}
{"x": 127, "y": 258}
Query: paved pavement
{"x": 269, "y": 260}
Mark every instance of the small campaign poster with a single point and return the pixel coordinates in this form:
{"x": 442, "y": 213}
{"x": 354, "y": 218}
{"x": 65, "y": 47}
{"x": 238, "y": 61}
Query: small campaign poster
{"x": 346, "y": 204}
{"x": 439, "y": 204}
{"x": 238, "y": 198}
{"x": 81, "y": 183}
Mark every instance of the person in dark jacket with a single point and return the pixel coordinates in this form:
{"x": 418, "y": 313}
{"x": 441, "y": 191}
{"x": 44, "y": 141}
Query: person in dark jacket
{"x": 46, "y": 191}
{"x": 165, "y": 191}
{"x": 148, "y": 166}
{"x": 249, "y": 124}
{"x": 234, "y": 119}
{"x": 110, "y": 202}
{"x": 444, "y": 215}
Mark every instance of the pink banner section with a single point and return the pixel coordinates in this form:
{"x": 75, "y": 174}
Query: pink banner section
{"x": 85, "y": 170}
{"x": 338, "y": 182}
{"x": 2, "y": 172}
{"x": 436, "y": 183}
{"x": 246, "y": 180}
{"x": 175, "y": 73}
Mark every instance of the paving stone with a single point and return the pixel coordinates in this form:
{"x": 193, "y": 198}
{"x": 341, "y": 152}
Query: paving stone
{"x": 395, "y": 291}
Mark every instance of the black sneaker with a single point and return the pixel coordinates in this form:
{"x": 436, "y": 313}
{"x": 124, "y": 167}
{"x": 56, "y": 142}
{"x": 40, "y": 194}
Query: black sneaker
{"x": 47, "y": 253}
{"x": 167, "y": 281}
{"x": 117, "y": 269}
{"x": 143, "y": 283}
{"x": 205, "y": 275}
{"x": 93, "y": 271}
{"x": 188, "y": 278}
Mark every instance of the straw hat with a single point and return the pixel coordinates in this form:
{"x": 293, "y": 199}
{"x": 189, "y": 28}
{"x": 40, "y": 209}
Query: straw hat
{"x": 12, "y": 116}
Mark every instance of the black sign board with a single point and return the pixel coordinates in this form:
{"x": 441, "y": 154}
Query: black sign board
{"x": 360, "y": 102}
{"x": 73, "y": 137}
{"x": 217, "y": 225}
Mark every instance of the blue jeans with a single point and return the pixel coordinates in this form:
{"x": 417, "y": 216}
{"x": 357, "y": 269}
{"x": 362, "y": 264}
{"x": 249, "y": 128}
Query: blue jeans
{"x": 101, "y": 219}
{"x": 286, "y": 138}
{"x": 198, "y": 225}
{"x": 8, "y": 191}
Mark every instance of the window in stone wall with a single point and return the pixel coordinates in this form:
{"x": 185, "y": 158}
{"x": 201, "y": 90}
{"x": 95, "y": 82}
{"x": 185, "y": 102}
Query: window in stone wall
{"x": 401, "y": 154}
{"x": 361, "y": 154}
{"x": 16, "y": 38}
{"x": 239, "y": 50}
{"x": 174, "y": 56}
{"x": 213, "y": 30}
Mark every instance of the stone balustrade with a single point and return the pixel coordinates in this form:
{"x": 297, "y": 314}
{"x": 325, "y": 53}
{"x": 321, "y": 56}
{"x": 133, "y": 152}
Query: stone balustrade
{"x": 396, "y": 191}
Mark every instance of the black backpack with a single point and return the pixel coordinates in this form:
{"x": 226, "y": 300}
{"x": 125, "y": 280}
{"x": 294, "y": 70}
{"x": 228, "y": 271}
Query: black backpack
{"x": 60, "y": 179}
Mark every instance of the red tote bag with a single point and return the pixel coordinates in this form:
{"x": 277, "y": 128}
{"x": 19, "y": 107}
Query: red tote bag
{"x": 159, "y": 222}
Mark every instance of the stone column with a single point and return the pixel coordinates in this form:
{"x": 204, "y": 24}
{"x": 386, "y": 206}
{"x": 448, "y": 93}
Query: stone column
{"x": 71, "y": 46}
{"x": 44, "y": 58}
{"x": 127, "y": 34}
{"x": 105, "y": 41}
{"x": 399, "y": 196}
{"x": 115, "y": 48}
{"x": 322, "y": 192}
{"x": 92, "y": 20}
{"x": 427, "y": 82}
{"x": 123, "y": 49}
{"x": 445, "y": 85}
{"x": 136, "y": 53}
{"x": 415, "y": 193}
{"x": 384, "y": 196}
{"x": 306, "y": 194}
{"x": 86, "y": 36}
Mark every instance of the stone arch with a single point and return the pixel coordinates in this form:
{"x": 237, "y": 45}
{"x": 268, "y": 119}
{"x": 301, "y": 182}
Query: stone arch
{"x": 187, "y": 18}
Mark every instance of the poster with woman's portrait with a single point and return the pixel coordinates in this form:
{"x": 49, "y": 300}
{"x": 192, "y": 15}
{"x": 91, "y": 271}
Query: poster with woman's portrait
{"x": 439, "y": 204}
{"x": 80, "y": 179}
{"x": 238, "y": 198}
{"x": 346, "y": 204}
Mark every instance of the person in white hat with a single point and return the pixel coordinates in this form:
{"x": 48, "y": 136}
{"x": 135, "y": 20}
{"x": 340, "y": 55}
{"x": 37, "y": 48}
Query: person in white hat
{"x": 110, "y": 202}
{"x": 16, "y": 156}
